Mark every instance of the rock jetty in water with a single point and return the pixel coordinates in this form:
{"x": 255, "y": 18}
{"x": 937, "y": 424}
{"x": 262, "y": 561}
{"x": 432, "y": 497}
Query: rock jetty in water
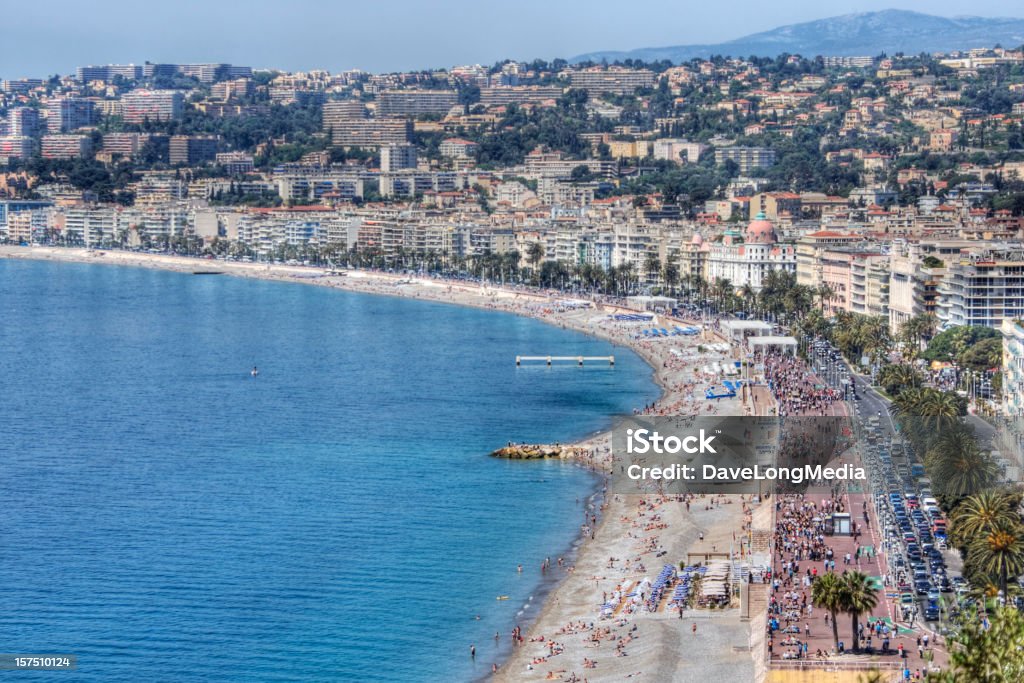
{"x": 533, "y": 451}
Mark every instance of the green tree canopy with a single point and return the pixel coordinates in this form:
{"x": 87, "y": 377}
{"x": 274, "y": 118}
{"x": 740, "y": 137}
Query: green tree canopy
{"x": 951, "y": 344}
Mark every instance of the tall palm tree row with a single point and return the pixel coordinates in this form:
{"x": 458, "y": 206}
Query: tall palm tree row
{"x": 857, "y": 335}
{"x": 723, "y": 294}
{"x": 896, "y": 378}
{"x": 849, "y": 593}
{"x": 748, "y": 298}
{"x": 652, "y": 268}
{"x": 988, "y": 529}
{"x": 535, "y": 254}
{"x": 825, "y": 295}
{"x": 957, "y": 466}
{"x": 931, "y": 420}
{"x": 670, "y": 276}
{"x": 925, "y": 413}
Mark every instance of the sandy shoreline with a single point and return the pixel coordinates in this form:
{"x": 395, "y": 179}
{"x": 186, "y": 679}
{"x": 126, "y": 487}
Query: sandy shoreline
{"x": 642, "y": 536}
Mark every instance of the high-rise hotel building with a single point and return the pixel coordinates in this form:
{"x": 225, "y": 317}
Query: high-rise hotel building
{"x": 69, "y": 113}
{"x": 154, "y": 105}
{"x": 24, "y": 122}
{"x": 66, "y": 146}
{"x": 415, "y": 102}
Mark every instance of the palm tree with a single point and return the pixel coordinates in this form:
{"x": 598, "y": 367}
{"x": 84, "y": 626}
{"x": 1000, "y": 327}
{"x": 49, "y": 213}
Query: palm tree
{"x": 627, "y": 271}
{"x": 927, "y": 325}
{"x": 875, "y": 336}
{"x": 940, "y": 407}
{"x": 858, "y": 334}
{"x": 927, "y": 410}
{"x": 595, "y": 277}
{"x": 915, "y": 330}
{"x": 829, "y": 593}
{"x": 814, "y": 324}
{"x": 749, "y": 297}
{"x": 698, "y": 285}
{"x": 652, "y": 267}
{"x": 898, "y": 378}
{"x": 535, "y": 253}
{"x": 720, "y": 291}
{"x": 825, "y": 295}
{"x": 775, "y": 287}
{"x": 611, "y": 280}
{"x": 982, "y": 513}
{"x": 859, "y": 597}
{"x": 670, "y": 274}
{"x": 797, "y": 301}
{"x": 510, "y": 265}
{"x": 905, "y": 405}
{"x": 957, "y": 466}
{"x": 999, "y": 553}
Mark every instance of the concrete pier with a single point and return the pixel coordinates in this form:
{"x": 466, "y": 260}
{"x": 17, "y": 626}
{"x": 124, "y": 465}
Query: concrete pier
{"x": 579, "y": 360}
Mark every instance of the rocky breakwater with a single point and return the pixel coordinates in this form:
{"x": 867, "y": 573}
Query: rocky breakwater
{"x": 525, "y": 451}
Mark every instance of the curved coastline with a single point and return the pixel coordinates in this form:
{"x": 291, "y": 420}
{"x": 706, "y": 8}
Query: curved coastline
{"x": 499, "y": 300}
{"x": 567, "y": 597}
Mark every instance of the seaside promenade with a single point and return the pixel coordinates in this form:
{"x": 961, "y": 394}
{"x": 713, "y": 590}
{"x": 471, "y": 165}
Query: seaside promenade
{"x": 800, "y": 637}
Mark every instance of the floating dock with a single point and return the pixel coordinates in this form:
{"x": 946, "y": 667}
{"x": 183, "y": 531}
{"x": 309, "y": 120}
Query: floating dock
{"x": 579, "y": 360}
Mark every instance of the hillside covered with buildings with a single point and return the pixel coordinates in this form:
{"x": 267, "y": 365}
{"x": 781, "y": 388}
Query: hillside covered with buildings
{"x": 883, "y": 186}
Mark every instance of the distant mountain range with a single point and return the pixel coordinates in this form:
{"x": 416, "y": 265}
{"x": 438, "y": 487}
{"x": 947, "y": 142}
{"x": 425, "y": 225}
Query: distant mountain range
{"x": 862, "y": 34}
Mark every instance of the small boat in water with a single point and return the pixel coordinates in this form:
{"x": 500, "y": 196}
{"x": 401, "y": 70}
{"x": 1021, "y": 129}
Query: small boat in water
{"x": 502, "y": 597}
{"x": 207, "y": 272}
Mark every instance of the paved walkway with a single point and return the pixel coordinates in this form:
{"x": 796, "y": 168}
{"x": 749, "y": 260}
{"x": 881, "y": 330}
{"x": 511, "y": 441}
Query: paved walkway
{"x": 800, "y": 551}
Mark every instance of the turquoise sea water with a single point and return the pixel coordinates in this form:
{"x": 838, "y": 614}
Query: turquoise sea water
{"x": 165, "y": 516}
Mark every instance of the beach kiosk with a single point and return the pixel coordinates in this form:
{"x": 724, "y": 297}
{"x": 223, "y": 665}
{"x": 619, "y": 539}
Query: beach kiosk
{"x": 762, "y": 344}
{"x": 655, "y": 304}
{"x": 839, "y": 524}
{"x": 738, "y": 331}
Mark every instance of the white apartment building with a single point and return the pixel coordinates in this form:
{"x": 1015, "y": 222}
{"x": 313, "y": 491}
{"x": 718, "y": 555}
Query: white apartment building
{"x": 397, "y": 158}
{"x": 983, "y": 286}
{"x": 678, "y": 150}
{"x": 1013, "y": 367}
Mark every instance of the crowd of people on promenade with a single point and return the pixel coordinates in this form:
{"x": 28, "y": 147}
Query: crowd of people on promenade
{"x": 803, "y": 553}
{"x": 795, "y": 386}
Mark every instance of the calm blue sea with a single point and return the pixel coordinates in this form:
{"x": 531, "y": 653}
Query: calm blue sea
{"x": 165, "y": 516}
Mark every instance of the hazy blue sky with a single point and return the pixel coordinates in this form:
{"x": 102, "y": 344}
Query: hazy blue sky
{"x": 42, "y": 38}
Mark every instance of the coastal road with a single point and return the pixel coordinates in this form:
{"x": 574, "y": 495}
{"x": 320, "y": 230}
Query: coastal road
{"x": 835, "y": 372}
{"x": 873, "y": 403}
